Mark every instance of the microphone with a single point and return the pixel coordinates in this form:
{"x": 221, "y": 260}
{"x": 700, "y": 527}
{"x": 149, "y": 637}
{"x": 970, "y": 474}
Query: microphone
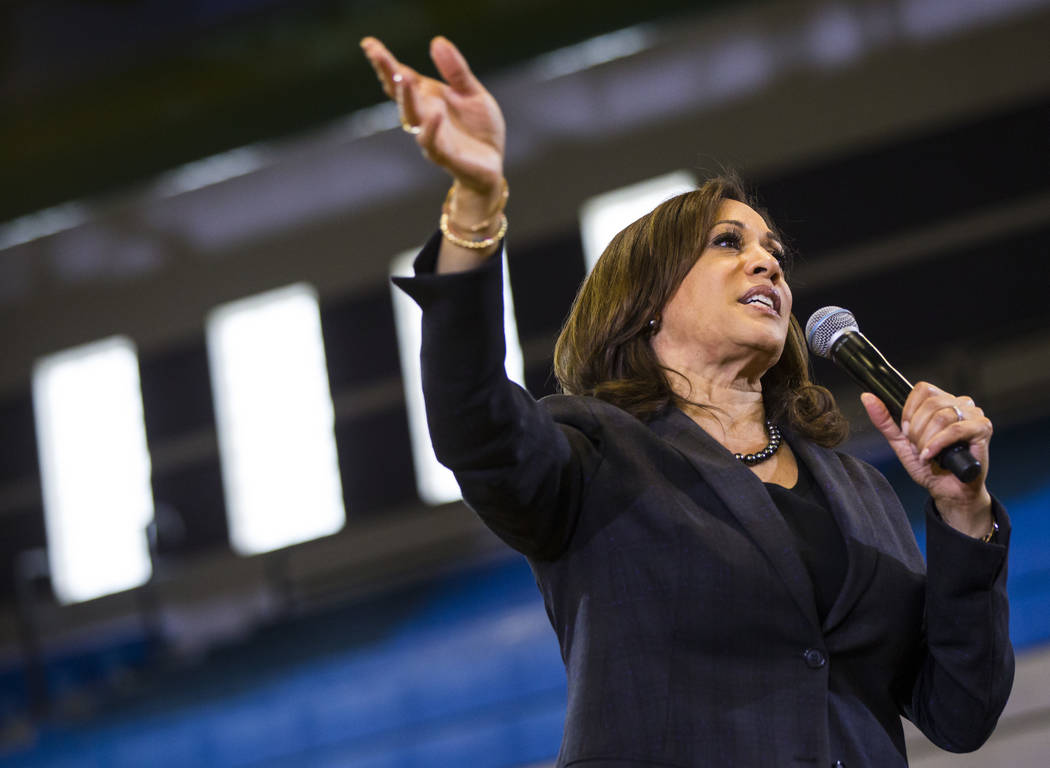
{"x": 832, "y": 332}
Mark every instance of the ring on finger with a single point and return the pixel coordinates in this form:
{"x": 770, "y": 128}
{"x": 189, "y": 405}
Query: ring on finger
{"x": 399, "y": 97}
{"x": 958, "y": 412}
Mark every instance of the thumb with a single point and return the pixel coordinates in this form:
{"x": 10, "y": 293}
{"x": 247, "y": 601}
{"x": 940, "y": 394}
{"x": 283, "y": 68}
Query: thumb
{"x": 880, "y": 417}
{"x": 453, "y": 66}
{"x": 906, "y": 453}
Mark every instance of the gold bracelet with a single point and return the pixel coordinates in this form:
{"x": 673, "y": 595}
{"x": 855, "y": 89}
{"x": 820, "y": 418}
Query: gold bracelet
{"x": 474, "y": 245}
{"x": 482, "y": 226}
{"x": 987, "y": 538}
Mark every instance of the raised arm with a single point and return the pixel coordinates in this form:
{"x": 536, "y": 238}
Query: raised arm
{"x": 523, "y": 473}
{"x": 459, "y": 127}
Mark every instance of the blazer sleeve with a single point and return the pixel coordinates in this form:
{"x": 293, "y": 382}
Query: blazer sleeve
{"x": 967, "y": 666}
{"x": 524, "y": 474}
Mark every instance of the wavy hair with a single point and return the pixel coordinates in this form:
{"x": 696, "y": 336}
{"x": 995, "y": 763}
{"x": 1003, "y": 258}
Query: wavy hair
{"x": 604, "y": 349}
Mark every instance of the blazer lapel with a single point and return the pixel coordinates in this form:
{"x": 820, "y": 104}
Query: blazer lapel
{"x": 849, "y": 511}
{"x": 746, "y": 497}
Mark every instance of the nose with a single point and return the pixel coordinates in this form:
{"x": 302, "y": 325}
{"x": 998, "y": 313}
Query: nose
{"x": 762, "y": 262}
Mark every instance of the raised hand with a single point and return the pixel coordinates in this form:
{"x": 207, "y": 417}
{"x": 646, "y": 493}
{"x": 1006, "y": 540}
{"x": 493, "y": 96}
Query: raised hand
{"x": 456, "y": 122}
{"x": 932, "y": 420}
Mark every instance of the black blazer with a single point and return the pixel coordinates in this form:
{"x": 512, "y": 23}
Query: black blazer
{"x": 686, "y": 619}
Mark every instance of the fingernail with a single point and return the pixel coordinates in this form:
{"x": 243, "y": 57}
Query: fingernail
{"x": 904, "y": 427}
{"x": 925, "y": 454}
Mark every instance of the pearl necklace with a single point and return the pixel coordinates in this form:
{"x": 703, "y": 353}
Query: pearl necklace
{"x": 774, "y": 442}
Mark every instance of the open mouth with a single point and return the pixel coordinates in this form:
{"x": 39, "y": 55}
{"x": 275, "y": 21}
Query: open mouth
{"x": 763, "y": 296}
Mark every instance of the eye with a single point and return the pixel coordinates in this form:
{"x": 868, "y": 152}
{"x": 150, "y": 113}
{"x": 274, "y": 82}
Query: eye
{"x": 728, "y": 239}
{"x": 783, "y": 255}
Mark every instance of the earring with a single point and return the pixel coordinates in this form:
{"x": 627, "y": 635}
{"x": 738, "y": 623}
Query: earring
{"x": 653, "y": 324}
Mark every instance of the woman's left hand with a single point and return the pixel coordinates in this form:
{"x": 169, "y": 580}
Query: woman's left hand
{"x": 931, "y": 421}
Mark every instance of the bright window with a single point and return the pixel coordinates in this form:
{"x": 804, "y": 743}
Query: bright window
{"x": 602, "y": 216}
{"x": 434, "y": 482}
{"x": 95, "y": 469}
{"x": 276, "y": 424}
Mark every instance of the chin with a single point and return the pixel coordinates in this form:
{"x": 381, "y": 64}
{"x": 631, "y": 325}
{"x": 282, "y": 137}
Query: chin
{"x": 772, "y": 343}
{"x": 770, "y": 350}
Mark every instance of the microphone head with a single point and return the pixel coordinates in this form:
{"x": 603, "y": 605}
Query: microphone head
{"x": 824, "y": 327}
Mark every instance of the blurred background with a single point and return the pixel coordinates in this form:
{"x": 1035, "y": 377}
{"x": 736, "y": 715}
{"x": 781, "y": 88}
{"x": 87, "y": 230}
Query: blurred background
{"x": 166, "y": 165}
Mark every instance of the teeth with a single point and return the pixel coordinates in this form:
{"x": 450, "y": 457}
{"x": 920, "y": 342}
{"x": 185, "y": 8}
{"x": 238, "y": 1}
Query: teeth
{"x": 761, "y": 300}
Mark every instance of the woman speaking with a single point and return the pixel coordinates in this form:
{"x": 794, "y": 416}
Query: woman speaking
{"x": 727, "y": 589}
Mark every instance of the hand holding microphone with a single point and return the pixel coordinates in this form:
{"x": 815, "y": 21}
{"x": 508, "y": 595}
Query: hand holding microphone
{"x": 832, "y": 332}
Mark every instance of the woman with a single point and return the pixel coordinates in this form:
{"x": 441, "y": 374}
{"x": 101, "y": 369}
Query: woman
{"x": 726, "y": 589}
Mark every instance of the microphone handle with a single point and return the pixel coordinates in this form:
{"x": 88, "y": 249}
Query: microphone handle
{"x": 866, "y": 365}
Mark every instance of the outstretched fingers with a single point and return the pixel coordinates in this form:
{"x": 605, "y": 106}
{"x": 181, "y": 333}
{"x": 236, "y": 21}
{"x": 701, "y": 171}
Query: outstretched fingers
{"x": 454, "y": 120}
{"x": 402, "y": 85}
{"x": 406, "y": 94}
{"x": 453, "y": 67}
{"x": 383, "y": 62}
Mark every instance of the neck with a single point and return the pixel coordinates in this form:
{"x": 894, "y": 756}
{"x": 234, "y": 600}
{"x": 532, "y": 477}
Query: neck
{"x": 725, "y": 408}
{"x": 725, "y": 380}
{"x": 728, "y": 400}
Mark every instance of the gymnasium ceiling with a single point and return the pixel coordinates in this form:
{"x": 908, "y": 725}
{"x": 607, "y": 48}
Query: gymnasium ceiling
{"x": 100, "y": 94}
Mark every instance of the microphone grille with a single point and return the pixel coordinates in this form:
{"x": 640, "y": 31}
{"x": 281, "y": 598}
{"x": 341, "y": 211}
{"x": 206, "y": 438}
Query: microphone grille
{"x": 824, "y": 326}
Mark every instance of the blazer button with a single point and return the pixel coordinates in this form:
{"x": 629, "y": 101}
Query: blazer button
{"x": 814, "y": 658}
{"x": 838, "y": 764}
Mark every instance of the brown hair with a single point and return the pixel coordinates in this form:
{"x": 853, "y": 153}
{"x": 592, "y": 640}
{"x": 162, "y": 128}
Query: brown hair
{"x": 604, "y": 348}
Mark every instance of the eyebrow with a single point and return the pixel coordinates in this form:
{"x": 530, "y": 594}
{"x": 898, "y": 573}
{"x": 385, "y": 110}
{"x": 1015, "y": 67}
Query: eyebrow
{"x": 770, "y": 235}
